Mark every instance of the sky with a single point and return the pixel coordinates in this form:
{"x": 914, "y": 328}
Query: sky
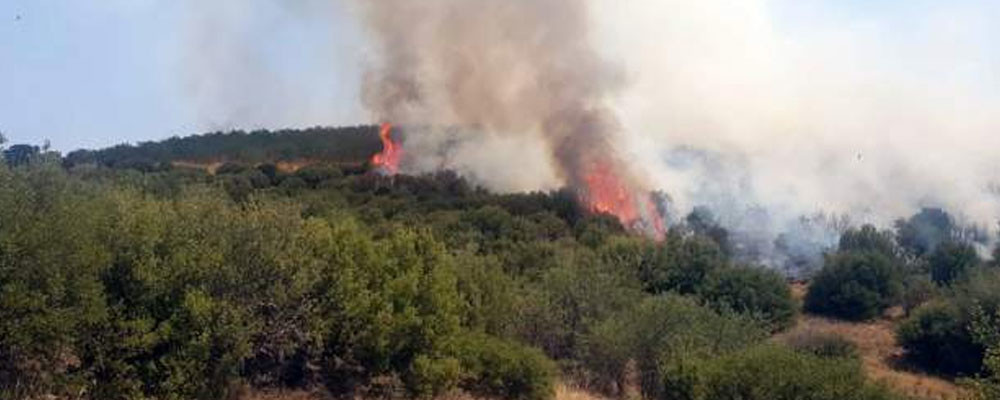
{"x": 93, "y": 73}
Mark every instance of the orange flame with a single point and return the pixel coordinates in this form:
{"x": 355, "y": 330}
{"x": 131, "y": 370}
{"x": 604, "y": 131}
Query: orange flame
{"x": 392, "y": 151}
{"x": 606, "y": 193}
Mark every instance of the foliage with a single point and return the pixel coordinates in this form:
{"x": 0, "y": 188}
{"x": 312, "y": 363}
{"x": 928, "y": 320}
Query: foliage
{"x": 702, "y": 222}
{"x": 755, "y": 291}
{"x": 986, "y": 332}
{"x": 924, "y": 231}
{"x": 350, "y": 144}
{"x": 505, "y": 369}
{"x": 854, "y": 286}
{"x": 918, "y": 290}
{"x": 936, "y": 337}
{"x": 942, "y": 335}
{"x": 663, "y": 328}
{"x": 868, "y": 239}
{"x": 950, "y": 260}
{"x": 768, "y": 372}
{"x": 125, "y": 276}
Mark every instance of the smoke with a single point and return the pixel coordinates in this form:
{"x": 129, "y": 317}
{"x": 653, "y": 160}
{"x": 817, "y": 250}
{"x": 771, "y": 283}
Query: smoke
{"x": 849, "y": 117}
{"x": 871, "y": 111}
{"x": 764, "y": 111}
{"x": 511, "y": 74}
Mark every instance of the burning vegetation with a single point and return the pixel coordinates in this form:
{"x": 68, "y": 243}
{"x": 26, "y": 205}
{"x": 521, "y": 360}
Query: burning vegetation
{"x": 605, "y": 192}
{"x": 506, "y": 70}
{"x": 387, "y": 160}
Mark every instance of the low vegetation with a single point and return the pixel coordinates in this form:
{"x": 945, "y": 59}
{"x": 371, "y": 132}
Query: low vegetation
{"x": 122, "y": 279}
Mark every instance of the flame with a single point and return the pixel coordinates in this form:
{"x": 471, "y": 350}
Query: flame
{"x": 607, "y": 193}
{"x": 392, "y": 152}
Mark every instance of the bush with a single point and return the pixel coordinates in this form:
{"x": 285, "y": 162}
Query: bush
{"x": 868, "y": 239}
{"x": 681, "y": 265}
{"x": 936, "y": 337}
{"x": 951, "y": 260}
{"x": 661, "y": 328}
{"x": 769, "y": 372}
{"x": 919, "y": 289}
{"x": 854, "y": 286}
{"x": 755, "y": 291}
{"x": 570, "y": 298}
{"x": 924, "y": 231}
{"x": 504, "y": 369}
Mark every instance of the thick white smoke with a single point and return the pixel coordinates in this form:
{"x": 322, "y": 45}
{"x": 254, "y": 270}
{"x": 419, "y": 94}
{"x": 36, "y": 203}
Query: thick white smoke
{"x": 765, "y": 111}
{"x": 801, "y": 108}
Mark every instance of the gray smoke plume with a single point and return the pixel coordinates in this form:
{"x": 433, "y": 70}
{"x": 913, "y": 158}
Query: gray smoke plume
{"x": 766, "y": 112}
{"x": 516, "y": 71}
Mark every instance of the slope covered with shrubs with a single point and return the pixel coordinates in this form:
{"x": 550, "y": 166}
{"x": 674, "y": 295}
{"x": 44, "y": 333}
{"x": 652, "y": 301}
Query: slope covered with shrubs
{"x": 176, "y": 284}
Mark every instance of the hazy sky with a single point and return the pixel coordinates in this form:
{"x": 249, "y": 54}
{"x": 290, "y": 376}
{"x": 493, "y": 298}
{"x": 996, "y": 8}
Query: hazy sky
{"x": 91, "y": 73}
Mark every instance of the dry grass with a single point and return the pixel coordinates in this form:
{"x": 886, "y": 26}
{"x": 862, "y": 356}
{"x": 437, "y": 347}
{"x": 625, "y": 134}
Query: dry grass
{"x": 880, "y": 354}
{"x": 209, "y": 166}
{"x": 563, "y": 392}
{"x": 287, "y": 167}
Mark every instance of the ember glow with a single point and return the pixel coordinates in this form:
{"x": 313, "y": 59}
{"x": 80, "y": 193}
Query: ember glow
{"x": 607, "y": 193}
{"x": 392, "y": 152}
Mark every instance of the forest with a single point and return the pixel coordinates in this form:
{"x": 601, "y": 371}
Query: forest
{"x": 126, "y": 276}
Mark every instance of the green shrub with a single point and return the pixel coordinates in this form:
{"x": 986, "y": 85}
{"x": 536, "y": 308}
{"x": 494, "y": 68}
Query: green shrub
{"x": 769, "y": 372}
{"x": 659, "y": 328}
{"x": 951, "y": 260}
{"x": 936, "y": 337}
{"x": 680, "y": 264}
{"x": 753, "y": 290}
{"x": 569, "y": 299}
{"x": 925, "y": 230}
{"x": 429, "y": 377}
{"x": 504, "y": 369}
{"x": 918, "y": 290}
{"x": 985, "y": 328}
{"x": 868, "y": 239}
{"x": 854, "y": 286}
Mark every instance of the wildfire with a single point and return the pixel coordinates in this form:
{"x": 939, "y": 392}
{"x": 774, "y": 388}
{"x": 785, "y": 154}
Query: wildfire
{"x": 604, "y": 190}
{"x": 606, "y": 193}
{"x": 392, "y": 152}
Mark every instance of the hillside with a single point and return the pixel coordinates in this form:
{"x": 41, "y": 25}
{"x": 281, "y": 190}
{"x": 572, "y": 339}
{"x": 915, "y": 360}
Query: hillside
{"x": 334, "y": 280}
{"x": 327, "y": 145}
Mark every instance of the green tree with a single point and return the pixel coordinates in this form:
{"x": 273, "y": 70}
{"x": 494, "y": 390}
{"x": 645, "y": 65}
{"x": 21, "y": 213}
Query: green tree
{"x": 951, "y": 260}
{"x": 854, "y": 286}
{"x": 924, "y": 231}
{"x": 754, "y": 291}
{"x": 868, "y": 238}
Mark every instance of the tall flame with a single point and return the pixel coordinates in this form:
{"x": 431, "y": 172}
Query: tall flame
{"x": 392, "y": 152}
{"x": 607, "y": 193}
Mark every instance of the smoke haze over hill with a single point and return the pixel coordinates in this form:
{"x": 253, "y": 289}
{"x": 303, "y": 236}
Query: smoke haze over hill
{"x": 764, "y": 111}
{"x": 744, "y": 108}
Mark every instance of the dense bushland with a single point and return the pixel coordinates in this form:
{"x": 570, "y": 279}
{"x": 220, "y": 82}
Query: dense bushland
{"x": 932, "y": 268}
{"x": 175, "y": 284}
